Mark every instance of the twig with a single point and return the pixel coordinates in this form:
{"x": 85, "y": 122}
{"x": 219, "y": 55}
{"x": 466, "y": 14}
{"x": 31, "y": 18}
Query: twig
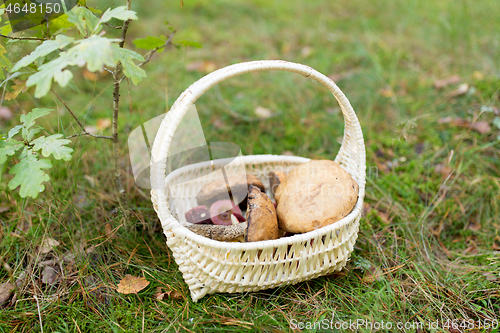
{"x": 150, "y": 53}
{"x": 108, "y": 70}
{"x": 23, "y": 38}
{"x": 116, "y": 107}
{"x": 93, "y": 135}
{"x": 85, "y": 132}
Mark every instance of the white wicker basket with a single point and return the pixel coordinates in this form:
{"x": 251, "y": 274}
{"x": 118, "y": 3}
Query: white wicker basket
{"x": 210, "y": 266}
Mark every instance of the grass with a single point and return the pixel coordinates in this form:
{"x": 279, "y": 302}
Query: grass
{"x": 425, "y": 251}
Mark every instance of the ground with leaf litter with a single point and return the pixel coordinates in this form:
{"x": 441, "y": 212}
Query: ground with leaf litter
{"x": 424, "y": 81}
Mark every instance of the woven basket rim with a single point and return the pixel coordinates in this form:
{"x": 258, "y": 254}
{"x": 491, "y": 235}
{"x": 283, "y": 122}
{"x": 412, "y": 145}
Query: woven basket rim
{"x": 303, "y": 237}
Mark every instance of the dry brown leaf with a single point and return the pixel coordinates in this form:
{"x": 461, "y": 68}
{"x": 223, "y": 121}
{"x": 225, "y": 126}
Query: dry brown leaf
{"x": 481, "y": 126}
{"x": 201, "y": 66}
{"x": 387, "y": 92}
{"x": 442, "y": 169}
{"x": 172, "y": 294}
{"x": 287, "y": 153}
{"x": 263, "y": 113}
{"x": 17, "y": 88}
{"x": 5, "y": 113}
{"x": 103, "y": 123}
{"x": 132, "y": 284}
{"x": 90, "y": 179}
{"x": 474, "y": 226}
{"x": 6, "y": 290}
{"x": 306, "y": 51}
{"x": 109, "y": 231}
{"x": 478, "y": 75}
{"x": 460, "y": 90}
{"x": 496, "y": 244}
{"x": 472, "y": 249}
{"x": 49, "y": 275}
{"x": 90, "y": 76}
{"x": 4, "y": 209}
{"x": 48, "y": 245}
{"x": 438, "y": 84}
{"x": 372, "y": 274}
{"x": 91, "y": 129}
{"x": 219, "y": 124}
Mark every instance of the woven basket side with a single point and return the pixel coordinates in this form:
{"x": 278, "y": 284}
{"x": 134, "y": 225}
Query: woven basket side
{"x": 209, "y": 270}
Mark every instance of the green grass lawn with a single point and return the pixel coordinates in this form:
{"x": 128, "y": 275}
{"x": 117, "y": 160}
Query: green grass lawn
{"x": 428, "y": 243}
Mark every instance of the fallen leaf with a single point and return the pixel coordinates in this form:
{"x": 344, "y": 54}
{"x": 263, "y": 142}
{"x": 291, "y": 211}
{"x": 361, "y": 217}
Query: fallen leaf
{"x": 17, "y": 88}
{"x": 306, "y": 51}
{"x": 442, "y": 169}
{"x": 481, "y": 126}
{"x": 287, "y": 153}
{"x": 49, "y": 275}
{"x": 478, "y": 75}
{"x": 6, "y": 290}
{"x": 132, "y": 284}
{"x": 460, "y": 90}
{"x": 496, "y": 244}
{"x": 91, "y": 76}
{"x": 109, "y": 231}
{"x": 48, "y": 245}
{"x": 262, "y": 112}
{"x": 438, "y": 84}
{"x": 474, "y": 226}
{"x": 173, "y": 294}
{"x": 471, "y": 249}
{"x": 201, "y": 66}
{"x": 4, "y": 209}
{"x": 387, "y": 92}
{"x": 372, "y": 274}
{"x": 91, "y": 129}
{"x": 90, "y": 179}
{"x": 5, "y": 113}
{"x": 103, "y": 123}
{"x": 218, "y": 124}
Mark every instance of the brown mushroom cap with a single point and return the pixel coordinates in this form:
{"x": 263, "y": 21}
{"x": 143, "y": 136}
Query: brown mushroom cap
{"x": 275, "y": 179}
{"x": 315, "y": 194}
{"x": 261, "y": 217}
{"x": 219, "y": 189}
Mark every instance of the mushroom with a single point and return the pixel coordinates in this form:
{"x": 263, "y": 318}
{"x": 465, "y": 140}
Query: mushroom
{"x": 315, "y": 194}
{"x": 261, "y": 217}
{"x": 275, "y": 179}
{"x": 198, "y": 215}
{"x": 222, "y": 210}
{"x": 223, "y": 233}
{"x": 236, "y": 186}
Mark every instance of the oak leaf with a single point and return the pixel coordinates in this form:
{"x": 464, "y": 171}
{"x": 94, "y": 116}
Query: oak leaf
{"x": 132, "y": 284}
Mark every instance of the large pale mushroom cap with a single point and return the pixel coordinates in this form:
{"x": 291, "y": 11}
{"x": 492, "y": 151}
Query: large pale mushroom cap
{"x": 313, "y": 195}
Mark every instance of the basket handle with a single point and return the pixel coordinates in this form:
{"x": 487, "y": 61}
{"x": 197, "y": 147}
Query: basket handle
{"x": 351, "y": 154}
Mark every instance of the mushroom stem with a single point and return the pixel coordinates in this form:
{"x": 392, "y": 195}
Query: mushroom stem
{"x": 222, "y": 233}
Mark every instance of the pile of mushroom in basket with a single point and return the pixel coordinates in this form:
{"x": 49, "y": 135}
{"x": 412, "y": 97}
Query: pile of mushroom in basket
{"x": 247, "y": 223}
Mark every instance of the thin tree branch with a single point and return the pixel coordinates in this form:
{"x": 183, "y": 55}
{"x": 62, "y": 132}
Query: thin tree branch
{"x": 84, "y": 131}
{"x": 116, "y": 107}
{"x": 108, "y": 70}
{"x": 150, "y": 53}
{"x": 92, "y": 135}
{"x": 23, "y": 38}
